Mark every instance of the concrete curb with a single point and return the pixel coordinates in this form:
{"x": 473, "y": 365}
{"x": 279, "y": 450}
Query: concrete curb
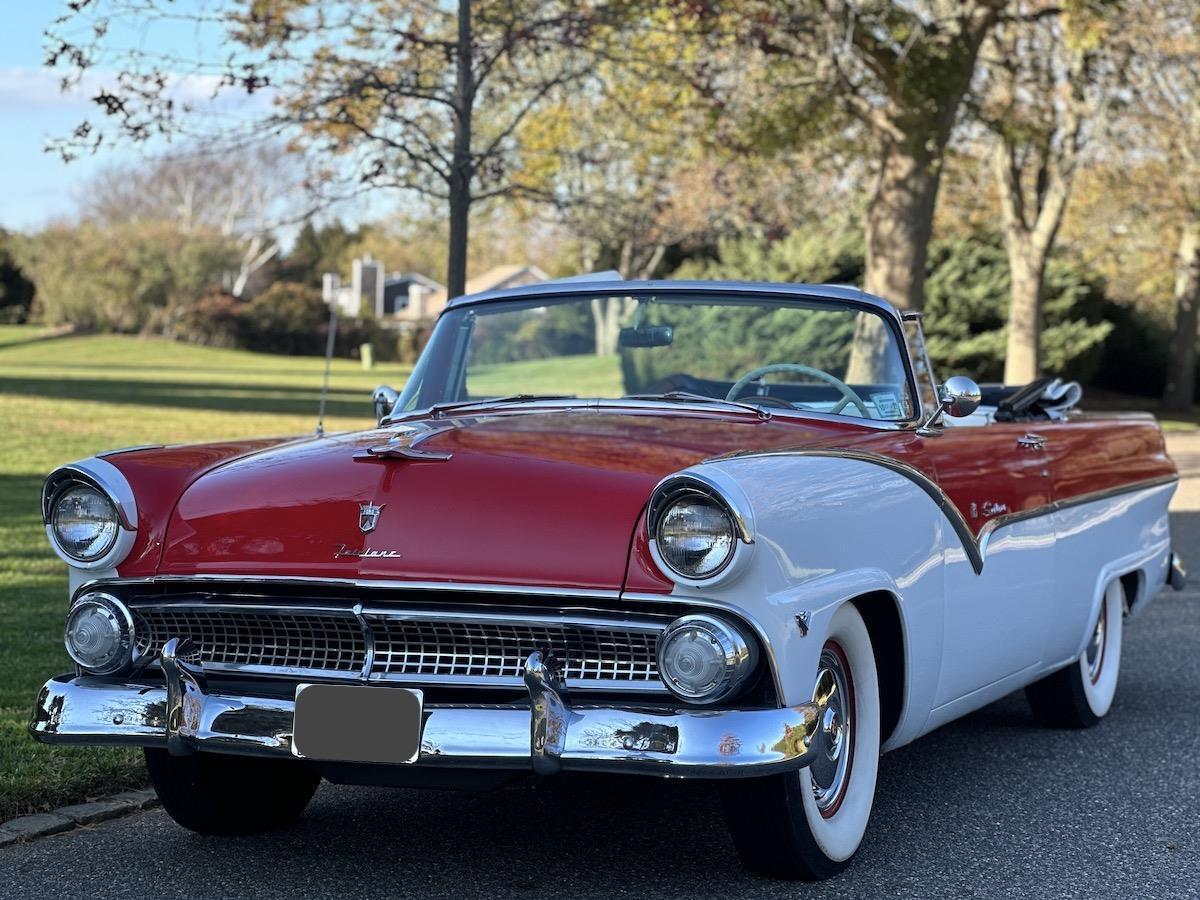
{"x": 28, "y": 828}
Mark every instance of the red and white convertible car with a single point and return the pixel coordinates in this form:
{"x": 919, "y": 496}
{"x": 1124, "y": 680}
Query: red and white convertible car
{"x": 702, "y": 530}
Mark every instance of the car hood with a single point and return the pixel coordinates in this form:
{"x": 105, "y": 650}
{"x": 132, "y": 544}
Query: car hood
{"x": 528, "y": 498}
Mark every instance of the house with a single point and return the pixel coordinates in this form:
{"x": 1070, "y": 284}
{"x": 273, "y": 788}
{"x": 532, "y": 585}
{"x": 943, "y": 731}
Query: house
{"x": 509, "y": 276}
{"x": 405, "y": 298}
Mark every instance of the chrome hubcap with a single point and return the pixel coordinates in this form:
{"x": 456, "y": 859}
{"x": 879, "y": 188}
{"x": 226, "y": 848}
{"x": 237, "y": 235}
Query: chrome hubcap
{"x": 830, "y": 771}
{"x": 1095, "y": 649}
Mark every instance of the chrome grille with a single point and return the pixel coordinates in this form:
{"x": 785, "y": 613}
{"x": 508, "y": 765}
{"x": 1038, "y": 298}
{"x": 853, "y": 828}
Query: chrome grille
{"x": 286, "y": 641}
{"x": 405, "y": 646}
{"x": 498, "y": 649}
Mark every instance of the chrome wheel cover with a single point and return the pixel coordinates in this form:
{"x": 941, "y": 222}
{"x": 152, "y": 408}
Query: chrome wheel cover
{"x": 830, "y": 771}
{"x": 1094, "y": 655}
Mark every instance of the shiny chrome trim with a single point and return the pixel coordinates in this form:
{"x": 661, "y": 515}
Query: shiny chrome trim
{"x": 689, "y": 743}
{"x": 738, "y": 616}
{"x": 133, "y": 449}
{"x": 367, "y": 584}
{"x": 100, "y": 474}
{"x": 128, "y": 637}
{"x": 1177, "y": 573}
{"x": 741, "y": 658}
{"x": 701, "y": 484}
{"x": 610, "y": 620}
{"x": 549, "y": 714}
{"x": 974, "y": 546}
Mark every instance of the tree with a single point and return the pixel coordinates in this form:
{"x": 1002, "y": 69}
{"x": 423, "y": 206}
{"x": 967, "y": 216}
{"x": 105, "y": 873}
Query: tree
{"x": 898, "y": 70}
{"x": 16, "y": 290}
{"x": 245, "y": 197}
{"x": 421, "y": 96}
{"x": 1042, "y": 86}
{"x": 1161, "y": 127}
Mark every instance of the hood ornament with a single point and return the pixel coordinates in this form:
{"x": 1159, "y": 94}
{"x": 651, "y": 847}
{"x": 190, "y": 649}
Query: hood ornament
{"x": 368, "y": 517}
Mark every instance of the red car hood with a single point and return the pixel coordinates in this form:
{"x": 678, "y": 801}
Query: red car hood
{"x": 545, "y": 498}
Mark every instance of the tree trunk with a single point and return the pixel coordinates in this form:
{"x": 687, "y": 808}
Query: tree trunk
{"x": 900, "y": 222}
{"x": 1181, "y": 365}
{"x": 461, "y": 173}
{"x": 1023, "y": 359}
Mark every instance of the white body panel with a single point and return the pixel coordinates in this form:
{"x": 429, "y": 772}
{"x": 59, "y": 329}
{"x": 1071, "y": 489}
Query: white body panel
{"x": 830, "y": 529}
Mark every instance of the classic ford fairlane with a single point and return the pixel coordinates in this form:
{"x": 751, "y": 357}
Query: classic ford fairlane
{"x": 716, "y": 531}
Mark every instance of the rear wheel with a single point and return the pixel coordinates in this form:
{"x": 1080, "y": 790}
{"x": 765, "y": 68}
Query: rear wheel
{"x": 1081, "y": 695}
{"x": 809, "y": 824}
{"x": 217, "y": 794}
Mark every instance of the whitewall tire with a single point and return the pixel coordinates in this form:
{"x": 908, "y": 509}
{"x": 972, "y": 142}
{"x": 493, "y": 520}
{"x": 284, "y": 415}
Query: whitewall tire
{"x": 1081, "y": 695}
{"x": 809, "y": 824}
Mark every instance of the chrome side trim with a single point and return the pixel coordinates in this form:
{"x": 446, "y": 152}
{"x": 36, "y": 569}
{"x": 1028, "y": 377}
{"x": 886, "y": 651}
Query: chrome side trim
{"x": 974, "y": 546}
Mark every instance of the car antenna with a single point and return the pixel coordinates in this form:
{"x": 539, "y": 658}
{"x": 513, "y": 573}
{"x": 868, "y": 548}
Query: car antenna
{"x": 329, "y": 342}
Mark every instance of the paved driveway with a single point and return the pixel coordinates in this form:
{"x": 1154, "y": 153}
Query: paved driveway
{"x": 989, "y": 806}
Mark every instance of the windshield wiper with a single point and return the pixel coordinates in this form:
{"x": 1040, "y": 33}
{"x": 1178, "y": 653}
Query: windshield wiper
{"x": 440, "y": 408}
{"x": 689, "y": 397}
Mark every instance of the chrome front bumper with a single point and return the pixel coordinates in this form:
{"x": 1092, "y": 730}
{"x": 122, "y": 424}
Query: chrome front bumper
{"x": 546, "y": 737}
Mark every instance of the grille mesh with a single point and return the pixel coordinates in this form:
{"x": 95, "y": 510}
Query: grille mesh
{"x": 283, "y": 640}
{"x": 405, "y": 648}
{"x": 483, "y": 649}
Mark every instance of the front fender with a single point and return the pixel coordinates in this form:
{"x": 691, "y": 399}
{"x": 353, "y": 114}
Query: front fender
{"x": 827, "y": 530}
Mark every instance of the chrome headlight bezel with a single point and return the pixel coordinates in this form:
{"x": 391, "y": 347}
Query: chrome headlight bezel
{"x": 107, "y": 481}
{"x": 120, "y": 615}
{"x": 738, "y": 655}
{"x": 691, "y": 488}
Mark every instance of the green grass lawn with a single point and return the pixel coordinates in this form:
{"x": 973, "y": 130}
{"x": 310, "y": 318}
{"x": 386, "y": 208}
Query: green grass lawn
{"x": 70, "y": 397}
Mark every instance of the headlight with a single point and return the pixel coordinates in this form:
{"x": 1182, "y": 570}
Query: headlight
{"x": 99, "y": 633}
{"x": 696, "y": 536}
{"x": 84, "y": 522}
{"x": 703, "y": 659}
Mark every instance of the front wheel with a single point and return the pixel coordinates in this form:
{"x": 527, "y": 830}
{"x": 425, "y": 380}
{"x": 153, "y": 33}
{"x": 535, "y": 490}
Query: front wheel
{"x": 809, "y": 824}
{"x": 1081, "y": 695}
{"x": 216, "y": 794}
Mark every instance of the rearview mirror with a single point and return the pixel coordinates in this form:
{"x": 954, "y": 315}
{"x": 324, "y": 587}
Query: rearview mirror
{"x": 384, "y": 398}
{"x": 646, "y": 336}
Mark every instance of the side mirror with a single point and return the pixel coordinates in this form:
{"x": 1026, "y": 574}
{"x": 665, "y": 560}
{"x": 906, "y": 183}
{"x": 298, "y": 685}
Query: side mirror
{"x": 384, "y": 399}
{"x": 958, "y": 396}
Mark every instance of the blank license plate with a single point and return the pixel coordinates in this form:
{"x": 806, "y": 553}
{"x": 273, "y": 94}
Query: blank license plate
{"x": 357, "y": 723}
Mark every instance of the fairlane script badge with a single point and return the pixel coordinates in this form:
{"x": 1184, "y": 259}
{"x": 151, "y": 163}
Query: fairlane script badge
{"x": 368, "y": 517}
{"x": 343, "y": 552}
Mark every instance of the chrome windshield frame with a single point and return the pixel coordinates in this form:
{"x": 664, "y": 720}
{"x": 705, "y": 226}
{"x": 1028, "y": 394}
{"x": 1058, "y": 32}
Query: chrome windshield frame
{"x": 835, "y": 295}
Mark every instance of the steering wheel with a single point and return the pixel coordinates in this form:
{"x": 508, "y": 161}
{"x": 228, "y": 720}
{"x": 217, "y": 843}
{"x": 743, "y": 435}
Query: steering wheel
{"x": 847, "y": 392}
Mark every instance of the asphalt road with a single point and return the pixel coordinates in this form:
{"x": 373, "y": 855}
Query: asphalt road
{"x": 989, "y": 806}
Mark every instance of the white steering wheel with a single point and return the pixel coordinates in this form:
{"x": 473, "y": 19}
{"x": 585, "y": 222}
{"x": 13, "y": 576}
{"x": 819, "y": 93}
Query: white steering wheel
{"x": 847, "y": 392}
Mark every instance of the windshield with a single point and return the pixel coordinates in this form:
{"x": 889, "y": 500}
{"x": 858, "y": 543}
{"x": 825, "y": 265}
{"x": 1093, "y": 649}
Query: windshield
{"x": 773, "y": 352}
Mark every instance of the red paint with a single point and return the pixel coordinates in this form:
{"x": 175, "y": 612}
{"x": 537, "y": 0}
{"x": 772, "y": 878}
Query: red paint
{"x": 550, "y": 498}
{"x": 545, "y": 498}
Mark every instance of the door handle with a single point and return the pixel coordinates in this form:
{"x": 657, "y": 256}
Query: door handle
{"x": 1032, "y": 441}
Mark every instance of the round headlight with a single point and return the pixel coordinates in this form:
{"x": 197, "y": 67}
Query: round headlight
{"x": 703, "y": 659}
{"x": 696, "y": 536}
{"x": 99, "y": 633}
{"x": 84, "y": 522}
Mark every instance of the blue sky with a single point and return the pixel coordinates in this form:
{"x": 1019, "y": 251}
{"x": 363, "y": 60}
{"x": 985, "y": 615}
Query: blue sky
{"x": 38, "y": 187}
